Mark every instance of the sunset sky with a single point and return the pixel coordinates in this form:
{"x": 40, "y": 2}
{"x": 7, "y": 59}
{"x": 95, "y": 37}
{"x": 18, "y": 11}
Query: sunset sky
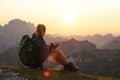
{"x": 65, "y": 17}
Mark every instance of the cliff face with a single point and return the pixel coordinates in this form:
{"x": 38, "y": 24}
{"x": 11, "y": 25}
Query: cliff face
{"x": 12, "y": 33}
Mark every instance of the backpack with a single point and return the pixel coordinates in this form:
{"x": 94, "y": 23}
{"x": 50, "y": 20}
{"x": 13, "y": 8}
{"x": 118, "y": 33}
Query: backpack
{"x": 26, "y": 55}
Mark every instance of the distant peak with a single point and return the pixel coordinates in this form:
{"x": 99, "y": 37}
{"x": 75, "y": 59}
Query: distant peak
{"x": 87, "y": 42}
{"x": 97, "y": 35}
{"x": 16, "y": 21}
{"x": 73, "y": 39}
{"x": 109, "y": 35}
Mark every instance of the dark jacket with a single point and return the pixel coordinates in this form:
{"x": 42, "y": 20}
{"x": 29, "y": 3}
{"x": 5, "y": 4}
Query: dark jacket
{"x": 39, "y": 49}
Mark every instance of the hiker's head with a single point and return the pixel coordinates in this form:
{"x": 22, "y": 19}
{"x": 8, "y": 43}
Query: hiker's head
{"x": 40, "y": 30}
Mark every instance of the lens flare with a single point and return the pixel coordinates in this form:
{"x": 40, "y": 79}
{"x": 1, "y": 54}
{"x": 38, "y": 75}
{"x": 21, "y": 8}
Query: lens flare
{"x": 46, "y": 73}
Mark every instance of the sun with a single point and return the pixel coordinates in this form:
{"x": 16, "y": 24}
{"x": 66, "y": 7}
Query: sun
{"x": 69, "y": 18}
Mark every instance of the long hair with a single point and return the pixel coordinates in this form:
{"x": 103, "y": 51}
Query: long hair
{"x": 40, "y": 30}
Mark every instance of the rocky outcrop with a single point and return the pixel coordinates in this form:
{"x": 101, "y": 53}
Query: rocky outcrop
{"x": 12, "y": 33}
{"x": 7, "y": 73}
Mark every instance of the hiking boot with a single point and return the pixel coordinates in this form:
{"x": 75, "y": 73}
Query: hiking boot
{"x": 70, "y": 67}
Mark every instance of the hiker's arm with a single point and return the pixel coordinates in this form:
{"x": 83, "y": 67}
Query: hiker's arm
{"x": 42, "y": 46}
{"x": 41, "y": 49}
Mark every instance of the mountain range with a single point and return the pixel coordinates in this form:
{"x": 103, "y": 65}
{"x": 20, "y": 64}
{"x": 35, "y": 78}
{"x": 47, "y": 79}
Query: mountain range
{"x": 98, "y": 54}
{"x": 97, "y": 39}
{"x": 12, "y": 33}
{"x": 90, "y": 60}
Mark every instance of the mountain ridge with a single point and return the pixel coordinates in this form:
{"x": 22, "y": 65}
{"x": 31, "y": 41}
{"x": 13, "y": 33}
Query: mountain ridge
{"x": 113, "y": 44}
{"x": 16, "y": 28}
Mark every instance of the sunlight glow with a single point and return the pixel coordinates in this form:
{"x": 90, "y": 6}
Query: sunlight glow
{"x": 65, "y": 17}
{"x": 69, "y": 18}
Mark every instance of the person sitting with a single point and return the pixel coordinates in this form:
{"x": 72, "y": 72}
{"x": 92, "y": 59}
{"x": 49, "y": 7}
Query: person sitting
{"x": 43, "y": 51}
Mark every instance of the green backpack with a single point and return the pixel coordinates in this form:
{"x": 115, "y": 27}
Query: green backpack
{"x": 26, "y": 54}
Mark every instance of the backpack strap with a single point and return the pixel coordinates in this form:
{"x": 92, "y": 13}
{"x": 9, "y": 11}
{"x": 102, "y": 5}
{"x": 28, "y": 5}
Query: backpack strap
{"x": 34, "y": 39}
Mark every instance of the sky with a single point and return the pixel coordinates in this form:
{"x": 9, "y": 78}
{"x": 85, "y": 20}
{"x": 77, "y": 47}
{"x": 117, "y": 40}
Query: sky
{"x": 65, "y": 17}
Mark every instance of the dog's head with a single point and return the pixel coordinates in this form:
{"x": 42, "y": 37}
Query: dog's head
{"x": 53, "y": 47}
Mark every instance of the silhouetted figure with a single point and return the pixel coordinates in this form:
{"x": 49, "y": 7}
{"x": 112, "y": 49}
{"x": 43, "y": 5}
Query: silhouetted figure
{"x": 44, "y": 51}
